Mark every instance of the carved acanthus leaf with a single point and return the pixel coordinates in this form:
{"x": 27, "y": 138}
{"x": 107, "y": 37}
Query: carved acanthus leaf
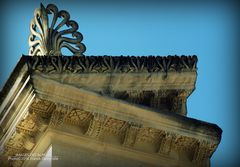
{"x": 110, "y": 64}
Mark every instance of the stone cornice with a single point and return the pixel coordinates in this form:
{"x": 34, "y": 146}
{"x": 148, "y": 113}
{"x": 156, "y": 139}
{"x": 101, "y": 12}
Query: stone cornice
{"x": 15, "y": 98}
{"x": 81, "y": 98}
{"x": 111, "y": 64}
{"x": 102, "y": 115}
{"x": 27, "y": 131}
{"x": 14, "y": 84}
{"x": 132, "y": 134}
{"x": 99, "y": 126}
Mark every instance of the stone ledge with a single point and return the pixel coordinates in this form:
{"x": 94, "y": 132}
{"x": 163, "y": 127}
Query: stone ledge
{"x": 94, "y": 102}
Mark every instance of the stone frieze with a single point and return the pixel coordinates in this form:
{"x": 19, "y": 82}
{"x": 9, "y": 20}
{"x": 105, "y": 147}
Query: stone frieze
{"x": 110, "y": 64}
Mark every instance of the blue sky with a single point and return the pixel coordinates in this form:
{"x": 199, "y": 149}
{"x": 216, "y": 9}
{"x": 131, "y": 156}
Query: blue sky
{"x": 208, "y": 30}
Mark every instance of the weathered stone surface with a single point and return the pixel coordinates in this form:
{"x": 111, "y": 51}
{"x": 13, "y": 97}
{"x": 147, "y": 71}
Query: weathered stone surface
{"x": 136, "y": 113}
{"x": 99, "y": 110}
{"x": 111, "y": 64}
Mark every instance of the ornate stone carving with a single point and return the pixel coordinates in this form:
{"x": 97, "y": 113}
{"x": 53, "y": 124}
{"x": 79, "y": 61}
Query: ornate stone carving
{"x": 19, "y": 143}
{"x": 47, "y": 37}
{"x": 78, "y": 117}
{"x": 185, "y": 143}
{"x": 96, "y": 125}
{"x": 166, "y": 143}
{"x": 15, "y": 144}
{"x": 28, "y": 125}
{"x": 203, "y": 150}
{"x": 58, "y": 115}
{"x": 115, "y": 126}
{"x": 131, "y": 135}
{"x": 108, "y": 64}
{"x": 147, "y": 134}
{"x": 46, "y": 40}
{"x": 42, "y": 107}
{"x": 23, "y": 140}
{"x": 162, "y": 141}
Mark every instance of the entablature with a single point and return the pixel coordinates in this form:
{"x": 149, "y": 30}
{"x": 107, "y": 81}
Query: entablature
{"x": 114, "y": 104}
{"x": 136, "y": 134}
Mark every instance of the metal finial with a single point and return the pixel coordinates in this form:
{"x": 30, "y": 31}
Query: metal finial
{"x": 48, "y": 36}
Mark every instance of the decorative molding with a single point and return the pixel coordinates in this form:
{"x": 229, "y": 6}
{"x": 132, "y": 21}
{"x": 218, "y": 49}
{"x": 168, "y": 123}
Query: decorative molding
{"x": 48, "y": 36}
{"x": 111, "y": 64}
{"x": 166, "y": 143}
{"x": 78, "y": 117}
{"x": 23, "y": 139}
{"x": 173, "y": 100}
{"x": 28, "y": 125}
{"x": 15, "y": 144}
{"x": 185, "y": 143}
{"x": 100, "y": 126}
{"x": 58, "y": 115}
{"x": 203, "y": 151}
{"x": 41, "y": 107}
{"x": 150, "y": 135}
{"x": 131, "y": 134}
{"x": 115, "y": 126}
{"x": 95, "y": 128}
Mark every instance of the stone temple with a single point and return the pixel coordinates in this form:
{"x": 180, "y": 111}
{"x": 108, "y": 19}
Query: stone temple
{"x": 72, "y": 111}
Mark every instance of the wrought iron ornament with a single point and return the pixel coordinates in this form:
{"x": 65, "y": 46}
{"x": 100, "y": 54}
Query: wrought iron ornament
{"x": 47, "y": 36}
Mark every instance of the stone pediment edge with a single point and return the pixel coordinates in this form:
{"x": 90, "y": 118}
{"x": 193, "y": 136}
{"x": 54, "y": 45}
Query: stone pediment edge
{"x": 94, "y": 102}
